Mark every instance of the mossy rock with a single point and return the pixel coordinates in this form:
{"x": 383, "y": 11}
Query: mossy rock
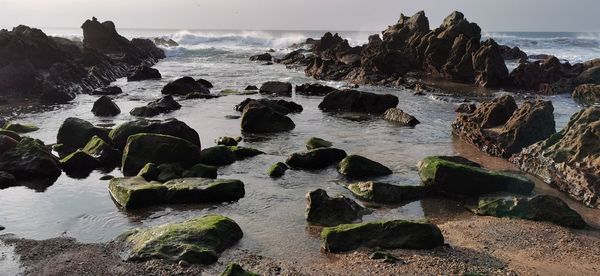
{"x": 79, "y": 161}
{"x": 386, "y": 234}
{"x": 388, "y": 193}
{"x": 460, "y": 179}
{"x": 136, "y": 192}
{"x": 145, "y": 148}
{"x": 315, "y": 143}
{"x": 539, "y": 208}
{"x": 196, "y": 241}
{"x": 30, "y": 159}
{"x": 149, "y": 172}
{"x": 75, "y": 133}
{"x": 201, "y": 170}
{"x": 103, "y": 151}
{"x": 316, "y": 159}
{"x": 217, "y": 156}
{"x": 172, "y": 127}
{"x": 356, "y": 166}
{"x": 277, "y": 170}
{"x": 20, "y": 128}
{"x": 169, "y": 172}
{"x": 234, "y": 269}
{"x": 105, "y": 107}
{"x": 331, "y": 211}
{"x": 10, "y": 134}
{"x": 228, "y": 141}
{"x": 243, "y": 152}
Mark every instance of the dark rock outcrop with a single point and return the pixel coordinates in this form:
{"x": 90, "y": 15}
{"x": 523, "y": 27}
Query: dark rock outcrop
{"x": 105, "y": 107}
{"x": 261, "y": 118}
{"x": 356, "y": 101}
{"x": 262, "y": 57}
{"x": 171, "y": 127}
{"x": 280, "y": 106}
{"x": 314, "y": 89}
{"x": 184, "y": 86}
{"x": 276, "y": 88}
{"x": 387, "y": 193}
{"x": 30, "y": 159}
{"x": 356, "y": 166}
{"x": 143, "y": 72}
{"x": 400, "y": 117}
{"x": 513, "y": 53}
{"x": 316, "y": 159}
{"x": 106, "y": 91}
{"x": 74, "y": 133}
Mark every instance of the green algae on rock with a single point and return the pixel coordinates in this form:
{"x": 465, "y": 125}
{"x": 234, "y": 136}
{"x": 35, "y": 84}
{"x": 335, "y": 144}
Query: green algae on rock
{"x": 356, "y": 166}
{"x": 20, "y": 128}
{"x": 75, "y": 133}
{"x": 196, "y": 241}
{"x": 331, "y": 211}
{"x": 103, "y": 151}
{"x": 172, "y": 127}
{"x": 30, "y": 159}
{"x": 315, "y": 143}
{"x": 244, "y": 152}
{"x": 234, "y": 269}
{"x": 316, "y": 159}
{"x": 386, "y": 234}
{"x": 387, "y": 193}
{"x": 277, "y": 170}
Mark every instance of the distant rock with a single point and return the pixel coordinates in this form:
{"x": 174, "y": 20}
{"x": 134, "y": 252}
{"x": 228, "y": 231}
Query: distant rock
{"x": 144, "y": 72}
{"x": 398, "y": 116}
{"x": 587, "y": 93}
{"x": 262, "y": 57}
{"x": 184, "y": 86}
{"x": 276, "y": 88}
{"x": 314, "y": 89}
{"x": 356, "y": 101}
{"x": 165, "y": 104}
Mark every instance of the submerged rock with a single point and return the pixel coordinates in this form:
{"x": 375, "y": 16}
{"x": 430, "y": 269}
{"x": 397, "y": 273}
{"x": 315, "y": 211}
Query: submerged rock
{"x": 356, "y": 166}
{"x": 105, "y": 107}
{"x": 234, "y": 269}
{"x": 165, "y": 104}
{"x": 276, "y": 88}
{"x": 398, "y": 116}
{"x": 217, "y": 156}
{"x": 331, "y": 211}
{"x": 258, "y": 118}
{"x": 570, "y": 159}
{"x": 74, "y": 133}
{"x": 144, "y": 72}
{"x": 356, "y": 101}
{"x": 388, "y": 193}
{"x": 184, "y": 86}
{"x": 172, "y": 127}
{"x": 316, "y": 159}
{"x": 30, "y": 159}
{"x": 196, "y": 241}
{"x": 315, "y": 143}
{"x": 277, "y": 170}
{"x": 261, "y": 57}
{"x": 458, "y": 179}
{"x": 386, "y": 234}
{"x": 538, "y": 208}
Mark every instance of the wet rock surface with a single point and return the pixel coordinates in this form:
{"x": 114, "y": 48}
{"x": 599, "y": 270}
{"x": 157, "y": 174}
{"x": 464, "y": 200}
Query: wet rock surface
{"x": 356, "y": 101}
{"x": 316, "y": 159}
{"x": 105, "y": 107}
{"x": 165, "y": 104}
{"x": 331, "y": 211}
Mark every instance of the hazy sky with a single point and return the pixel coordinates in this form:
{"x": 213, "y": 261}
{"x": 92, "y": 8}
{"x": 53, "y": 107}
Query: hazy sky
{"x": 491, "y": 15}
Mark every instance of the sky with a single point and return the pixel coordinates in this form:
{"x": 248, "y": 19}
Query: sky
{"x": 359, "y": 15}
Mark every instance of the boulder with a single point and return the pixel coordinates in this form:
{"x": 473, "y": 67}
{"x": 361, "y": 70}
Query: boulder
{"x": 454, "y": 178}
{"x": 228, "y": 141}
{"x": 107, "y": 91}
{"x": 74, "y": 133}
{"x": 590, "y": 75}
{"x": 105, "y": 107}
{"x": 145, "y": 148}
{"x": 6, "y": 180}
{"x": 387, "y": 193}
{"x": 262, "y": 57}
{"x": 569, "y": 159}
{"x": 234, "y": 269}
{"x": 172, "y": 127}
{"x": 251, "y": 88}
{"x": 7, "y": 143}
{"x": 385, "y": 234}
{"x": 316, "y": 159}
{"x": 331, "y": 211}
{"x": 103, "y": 151}
{"x": 217, "y": 156}
{"x": 356, "y": 101}
{"x": 587, "y": 93}
{"x": 488, "y": 65}
{"x": 258, "y": 118}
{"x": 538, "y": 208}
{"x": 20, "y": 128}
{"x": 356, "y": 166}
{"x": 184, "y": 86}
{"x": 244, "y": 152}
{"x": 466, "y": 108}
{"x": 280, "y": 106}
{"x": 143, "y": 72}
{"x": 314, "y": 89}
{"x": 30, "y": 159}
{"x": 277, "y": 170}
{"x": 513, "y": 53}
{"x": 396, "y": 115}
{"x": 79, "y": 161}
{"x": 161, "y": 41}
{"x": 165, "y": 104}
{"x": 315, "y": 143}
{"x": 136, "y": 192}
{"x": 195, "y": 241}
{"x": 276, "y": 88}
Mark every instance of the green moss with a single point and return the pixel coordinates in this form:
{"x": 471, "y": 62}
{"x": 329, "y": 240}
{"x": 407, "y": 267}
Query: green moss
{"x": 149, "y": 172}
{"x": 355, "y": 166}
{"x": 234, "y": 269}
{"x": 136, "y": 192}
{"x": 277, "y": 170}
{"x": 20, "y": 128}
{"x": 103, "y": 151}
{"x": 197, "y": 240}
{"x": 315, "y": 143}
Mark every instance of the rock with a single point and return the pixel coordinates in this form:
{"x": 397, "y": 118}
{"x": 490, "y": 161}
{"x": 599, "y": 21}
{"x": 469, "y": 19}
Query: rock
{"x": 251, "y": 88}
{"x": 569, "y": 159}
{"x": 165, "y": 104}
{"x": 258, "y": 118}
{"x": 548, "y": 72}
{"x": 6, "y": 180}
{"x": 145, "y": 148}
{"x": 385, "y": 256}
{"x": 103, "y": 151}
{"x": 458, "y": 179}
{"x": 172, "y": 127}
{"x": 386, "y": 234}
{"x": 217, "y": 156}
{"x": 356, "y": 166}
{"x": 314, "y": 89}
{"x": 280, "y": 106}
{"x": 262, "y": 57}
{"x": 20, "y": 128}
{"x": 398, "y": 116}
{"x": 79, "y": 161}
{"x": 149, "y": 172}
{"x": 234, "y": 269}
{"x": 276, "y": 88}
{"x": 538, "y": 208}
{"x": 587, "y": 93}
{"x": 74, "y": 133}
{"x": 205, "y": 83}
{"x": 315, "y": 143}
{"x": 488, "y": 65}
{"x": 327, "y": 211}
{"x": 136, "y": 192}
{"x": 30, "y": 159}
{"x": 277, "y": 170}
{"x": 590, "y": 75}
{"x": 243, "y": 152}
{"x": 387, "y": 193}
{"x": 165, "y": 42}
{"x": 198, "y": 95}
{"x": 105, "y": 107}
{"x": 144, "y": 72}
{"x": 2, "y": 228}
{"x": 106, "y": 177}
{"x": 228, "y": 141}
{"x": 196, "y": 241}
{"x": 513, "y": 53}
{"x": 466, "y": 108}
{"x": 316, "y": 159}
{"x": 168, "y": 172}
{"x": 7, "y": 143}
{"x": 201, "y": 170}
{"x": 106, "y": 91}
{"x": 460, "y": 160}
{"x": 183, "y": 86}
{"x": 10, "y": 134}
{"x": 356, "y": 101}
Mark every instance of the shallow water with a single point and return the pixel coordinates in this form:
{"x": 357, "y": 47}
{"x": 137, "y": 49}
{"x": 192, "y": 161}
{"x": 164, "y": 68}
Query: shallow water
{"x": 272, "y": 212}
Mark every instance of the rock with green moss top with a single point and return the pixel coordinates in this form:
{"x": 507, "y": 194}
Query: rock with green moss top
{"x": 30, "y": 159}
{"x": 79, "y": 161}
{"x": 201, "y": 170}
{"x": 217, "y": 156}
{"x": 538, "y": 208}
{"x": 20, "y": 128}
{"x": 103, "y": 151}
{"x": 277, "y": 170}
{"x": 385, "y": 234}
{"x": 172, "y": 127}
{"x": 228, "y": 141}
{"x": 149, "y": 172}
{"x": 331, "y": 211}
{"x": 10, "y": 134}
{"x": 356, "y": 166}
{"x": 234, "y": 269}
{"x": 196, "y": 241}
{"x": 136, "y": 192}
{"x": 145, "y": 148}
{"x": 169, "y": 172}
{"x": 243, "y": 152}
{"x": 388, "y": 193}
{"x": 75, "y": 133}
{"x": 316, "y": 159}
{"x": 315, "y": 143}
{"x": 460, "y": 179}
